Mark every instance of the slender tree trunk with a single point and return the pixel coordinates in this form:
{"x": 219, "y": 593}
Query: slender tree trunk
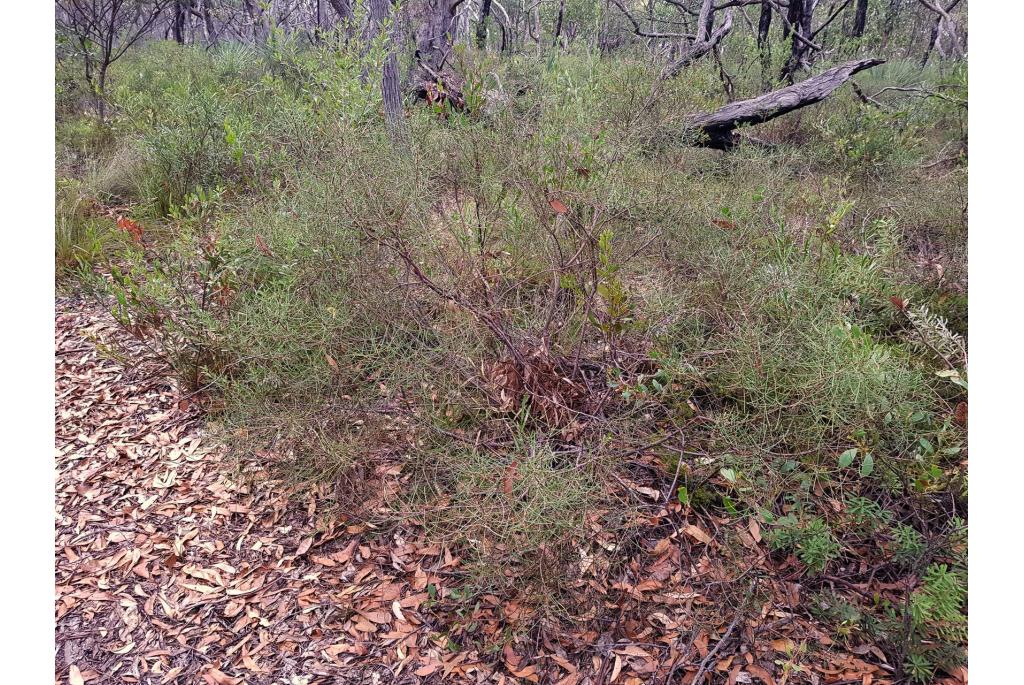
{"x": 800, "y": 17}
{"x": 860, "y": 19}
{"x": 394, "y": 116}
{"x": 209, "y": 27}
{"x": 178, "y": 22}
{"x": 932, "y": 39}
{"x": 764, "y": 44}
{"x": 481, "y": 28}
{"x": 558, "y": 22}
{"x": 343, "y": 9}
{"x": 101, "y": 91}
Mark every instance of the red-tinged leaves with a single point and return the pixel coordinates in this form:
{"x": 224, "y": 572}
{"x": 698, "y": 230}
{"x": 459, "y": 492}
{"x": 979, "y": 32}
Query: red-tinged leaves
{"x": 130, "y": 227}
{"x": 509, "y": 478}
{"x": 960, "y": 414}
{"x": 261, "y": 245}
{"x": 898, "y": 302}
{"x": 558, "y": 206}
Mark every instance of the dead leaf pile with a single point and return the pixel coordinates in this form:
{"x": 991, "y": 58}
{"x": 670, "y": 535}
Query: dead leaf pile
{"x": 169, "y": 570}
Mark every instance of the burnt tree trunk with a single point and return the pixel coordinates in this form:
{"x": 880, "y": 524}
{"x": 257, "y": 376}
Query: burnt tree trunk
{"x": 481, "y": 28}
{"x": 719, "y": 127}
{"x": 178, "y": 22}
{"x": 558, "y": 23}
{"x": 764, "y": 44}
{"x": 431, "y": 80}
{"x": 860, "y": 19}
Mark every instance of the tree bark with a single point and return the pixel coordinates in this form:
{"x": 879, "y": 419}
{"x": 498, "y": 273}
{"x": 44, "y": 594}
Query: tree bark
{"x": 178, "y": 22}
{"x": 707, "y": 38}
{"x": 210, "y": 29}
{"x": 764, "y": 45}
{"x": 860, "y": 19}
{"x": 430, "y": 77}
{"x": 800, "y": 15}
{"x": 481, "y": 28}
{"x": 719, "y": 126}
{"x": 343, "y": 8}
{"x": 558, "y": 23}
{"x": 394, "y": 116}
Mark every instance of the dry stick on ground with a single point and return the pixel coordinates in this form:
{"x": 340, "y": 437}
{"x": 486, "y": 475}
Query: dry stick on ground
{"x": 720, "y": 126}
{"x": 706, "y": 662}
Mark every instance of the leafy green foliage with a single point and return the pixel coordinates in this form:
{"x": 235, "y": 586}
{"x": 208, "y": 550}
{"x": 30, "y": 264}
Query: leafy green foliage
{"x": 811, "y": 539}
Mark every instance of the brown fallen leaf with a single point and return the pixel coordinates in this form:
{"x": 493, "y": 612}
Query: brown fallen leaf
{"x": 755, "y": 530}
{"x": 426, "y": 670}
{"x": 75, "y": 676}
{"x": 217, "y": 677}
{"x": 697, "y": 533}
{"x": 510, "y": 476}
{"x": 172, "y": 674}
{"x": 760, "y": 673}
{"x": 558, "y": 206}
{"x": 261, "y": 245}
{"x": 616, "y": 669}
{"x": 304, "y": 546}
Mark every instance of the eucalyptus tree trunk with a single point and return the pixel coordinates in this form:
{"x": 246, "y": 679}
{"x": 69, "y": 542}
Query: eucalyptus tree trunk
{"x": 256, "y": 18}
{"x": 208, "y": 26}
{"x": 764, "y": 44}
{"x": 434, "y": 34}
{"x": 800, "y": 16}
{"x": 558, "y": 23}
{"x": 394, "y": 116}
{"x": 718, "y": 128}
{"x": 343, "y": 8}
{"x": 481, "y": 28}
{"x": 860, "y": 19}
{"x": 178, "y": 21}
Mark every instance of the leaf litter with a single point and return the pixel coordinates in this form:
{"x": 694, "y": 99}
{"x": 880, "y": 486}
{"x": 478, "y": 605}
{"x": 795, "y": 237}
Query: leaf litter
{"x": 170, "y": 570}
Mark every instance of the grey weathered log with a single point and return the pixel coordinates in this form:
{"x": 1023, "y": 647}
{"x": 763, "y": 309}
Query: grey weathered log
{"x": 719, "y": 126}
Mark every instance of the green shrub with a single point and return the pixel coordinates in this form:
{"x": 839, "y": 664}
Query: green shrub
{"x": 82, "y": 240}
{"x": 811, "y": 539}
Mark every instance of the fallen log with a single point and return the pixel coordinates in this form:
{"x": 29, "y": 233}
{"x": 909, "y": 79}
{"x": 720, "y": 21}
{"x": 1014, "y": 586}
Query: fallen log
{"x": 719, "y": 127}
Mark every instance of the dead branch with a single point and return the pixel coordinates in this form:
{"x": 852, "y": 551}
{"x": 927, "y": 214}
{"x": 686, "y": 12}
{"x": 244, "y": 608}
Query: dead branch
{"x": 719, "y": 126}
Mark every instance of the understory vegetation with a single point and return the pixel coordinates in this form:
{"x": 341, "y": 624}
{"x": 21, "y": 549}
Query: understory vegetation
{"x": 544, "y": 317}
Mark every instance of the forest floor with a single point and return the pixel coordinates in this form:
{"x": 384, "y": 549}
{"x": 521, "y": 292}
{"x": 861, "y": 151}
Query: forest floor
{"x": 169, "y": 570}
